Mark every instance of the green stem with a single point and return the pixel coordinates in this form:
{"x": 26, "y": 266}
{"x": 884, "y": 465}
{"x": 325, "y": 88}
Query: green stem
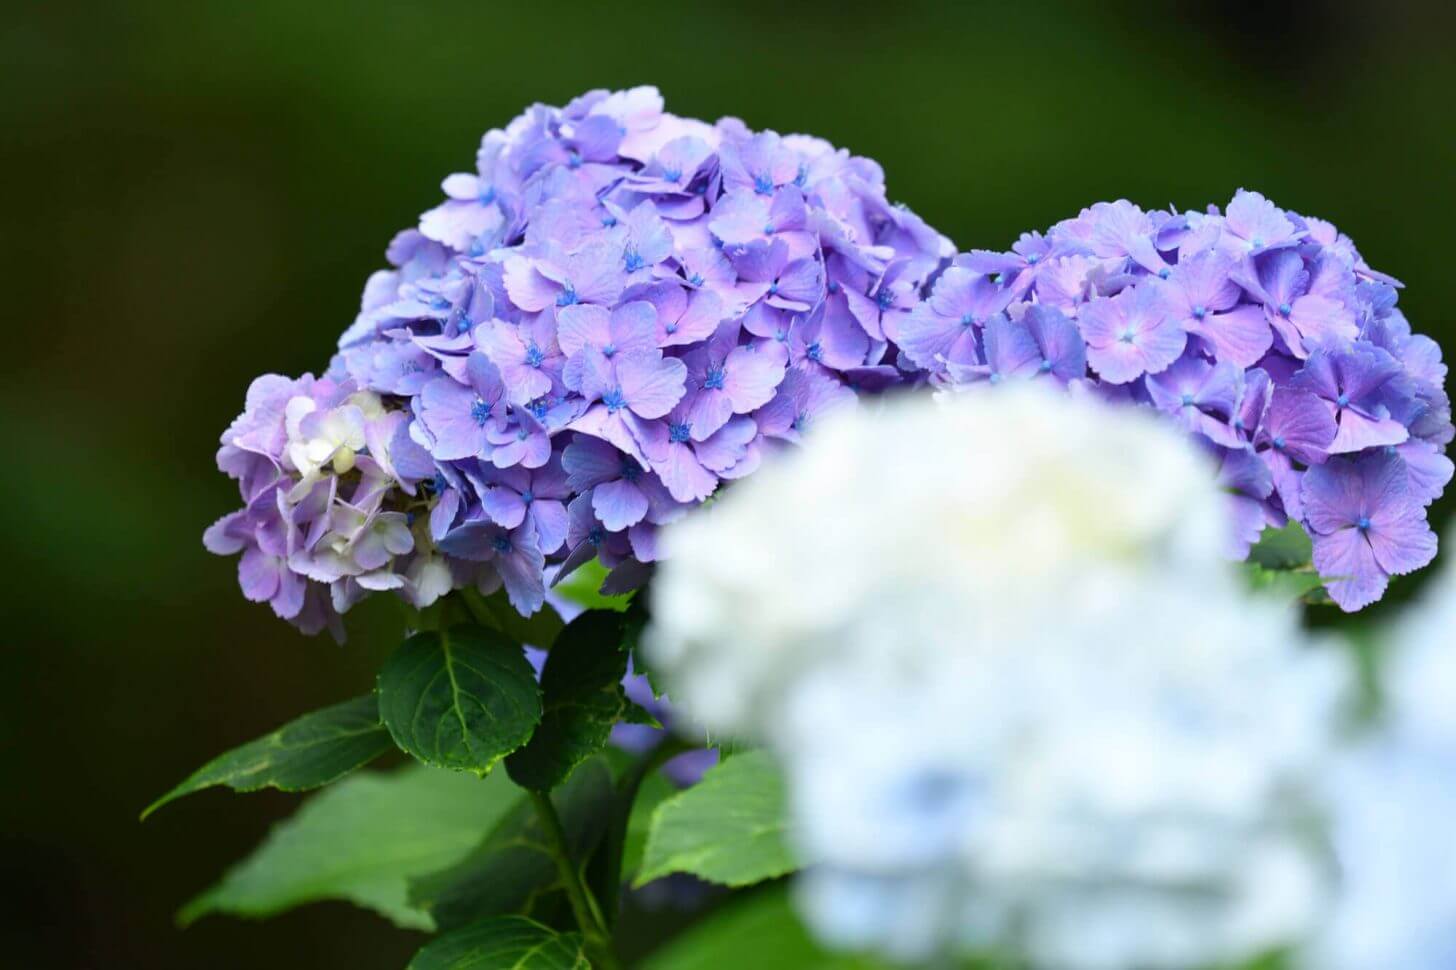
{"x": 583, "y": 906}
{"x": 616, "y": 838}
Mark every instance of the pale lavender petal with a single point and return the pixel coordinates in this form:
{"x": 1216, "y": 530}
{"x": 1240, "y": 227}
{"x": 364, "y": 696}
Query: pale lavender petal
{"x": 651, "y": 384}
{"x": 619, "y": 504}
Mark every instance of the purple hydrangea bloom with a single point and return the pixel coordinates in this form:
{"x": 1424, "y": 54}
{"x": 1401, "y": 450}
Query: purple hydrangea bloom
{"x": 1261, "y": 332}
{"x": 615, "y": 311}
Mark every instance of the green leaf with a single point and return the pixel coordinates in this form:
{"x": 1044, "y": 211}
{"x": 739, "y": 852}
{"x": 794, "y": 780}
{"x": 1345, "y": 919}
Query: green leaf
{"x": 503, "y": 943}
{"x": 583, "y": 587}
{"x": 728, "y": 828}
{"x": 362, "y": 840}
{"x": 305, "y": 753}
{"x": 512, "y": 869}
{"x": 495, "y": 611}
{"x": 1284, "y": 548}
{"x": 582, "y": 688}
{"x": 1290, "y": 585}
{"x": 654, "y": 790}
{"x": 461, "y": 698}
{"x": 759, "y": 931}
{"x": 635, "y": 621}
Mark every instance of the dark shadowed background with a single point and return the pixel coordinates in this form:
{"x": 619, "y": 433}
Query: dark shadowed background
{"x": 195, "y": 192}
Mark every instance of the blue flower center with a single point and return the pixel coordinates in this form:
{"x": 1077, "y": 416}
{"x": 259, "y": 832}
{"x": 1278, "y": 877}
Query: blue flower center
{"x": 480, "y": 412}
{"x": 1163, "y": 273}
{"x": 522, "y": 434}
{"x": 1127, "y": 335}
{"x": 1363, "y": 523}
{"x": 885, "y": 298}
{"x": 538, "y": 408}
{"x": 967, "y": 319}
{"x": 477, "y": 248}
{"x": 995, "y": 378}
{"x": 609, "y": 350}
{"x": 1200, "y": 311}
{"x": 1188, "y": 400}
{"x": 614, "y": 400}
{"x": 801, "y": 421}
{"x": 763, "y": 185}
{"x": 608, "y": 221}
{"x": 566, "y": 297}
{"x": 438, "y": 302}
{"x": 487, "y": 195}
{"x": 574, "y": 160}
{"x": 1285, "y": 309}
{"x": 1033, "y": 259}
{"x": 768, "y": 229}
{"x": 814, "y": 352}
{"x": 802, "y": 175}
{"x": 679, "y": 432}
{"x": 438, "y": 484}
{"x": 714, "y": 379}
{"x": 1046, "y": 367}
{"x": 1343, "y": 400}
{"x": 501, "y": 544}
{"x": 671, "y": 174}
{"x": 670, "y": 327}
{"x": 999, "y": 278}
{"x": 773, "y": 288}
{"x": 631, "y": 471}
{"x": 528, "y": 496}
{"x": 632, "y": 260}
{"x": 596, "y": 535}
{"x": 696, "y": 279}
{"x": 534, "y": 356}
{"x": 1279, "y": 443}
{"x": 832, "y": 287}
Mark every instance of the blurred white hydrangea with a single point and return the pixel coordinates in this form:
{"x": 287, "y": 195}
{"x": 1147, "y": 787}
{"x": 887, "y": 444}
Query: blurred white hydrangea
{"x": 1393, "y": 805}
{"x": 1020, "y": 697}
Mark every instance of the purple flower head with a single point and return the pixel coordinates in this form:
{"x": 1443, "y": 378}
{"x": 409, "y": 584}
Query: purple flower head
{"x": 1261, "y": 332}
{"x": 619, "y": 310}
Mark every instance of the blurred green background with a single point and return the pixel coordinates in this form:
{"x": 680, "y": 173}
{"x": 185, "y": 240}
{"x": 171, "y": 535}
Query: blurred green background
{"x": 195, "y": 192}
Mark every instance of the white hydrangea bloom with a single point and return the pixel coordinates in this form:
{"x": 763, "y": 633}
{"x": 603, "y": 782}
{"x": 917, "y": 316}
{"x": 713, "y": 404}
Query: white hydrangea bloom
{"x": 1019, "y": 695}
{"x": 1394, "y": 799}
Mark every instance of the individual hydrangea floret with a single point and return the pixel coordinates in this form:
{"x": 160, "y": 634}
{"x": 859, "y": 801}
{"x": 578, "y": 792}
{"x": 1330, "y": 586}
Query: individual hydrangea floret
{"x": 1262, "y": 332}
{"x": 615, "y": 312}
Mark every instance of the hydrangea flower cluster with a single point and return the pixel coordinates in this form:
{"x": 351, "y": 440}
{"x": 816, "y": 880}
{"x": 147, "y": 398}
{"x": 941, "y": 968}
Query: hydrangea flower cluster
{"x": 1262, "y": 332}
{"x": 617, "y": 310}
{"x": 998, "y": 726}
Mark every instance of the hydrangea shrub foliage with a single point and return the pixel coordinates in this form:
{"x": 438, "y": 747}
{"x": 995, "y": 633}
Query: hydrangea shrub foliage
{"x": 604, "y": 324}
